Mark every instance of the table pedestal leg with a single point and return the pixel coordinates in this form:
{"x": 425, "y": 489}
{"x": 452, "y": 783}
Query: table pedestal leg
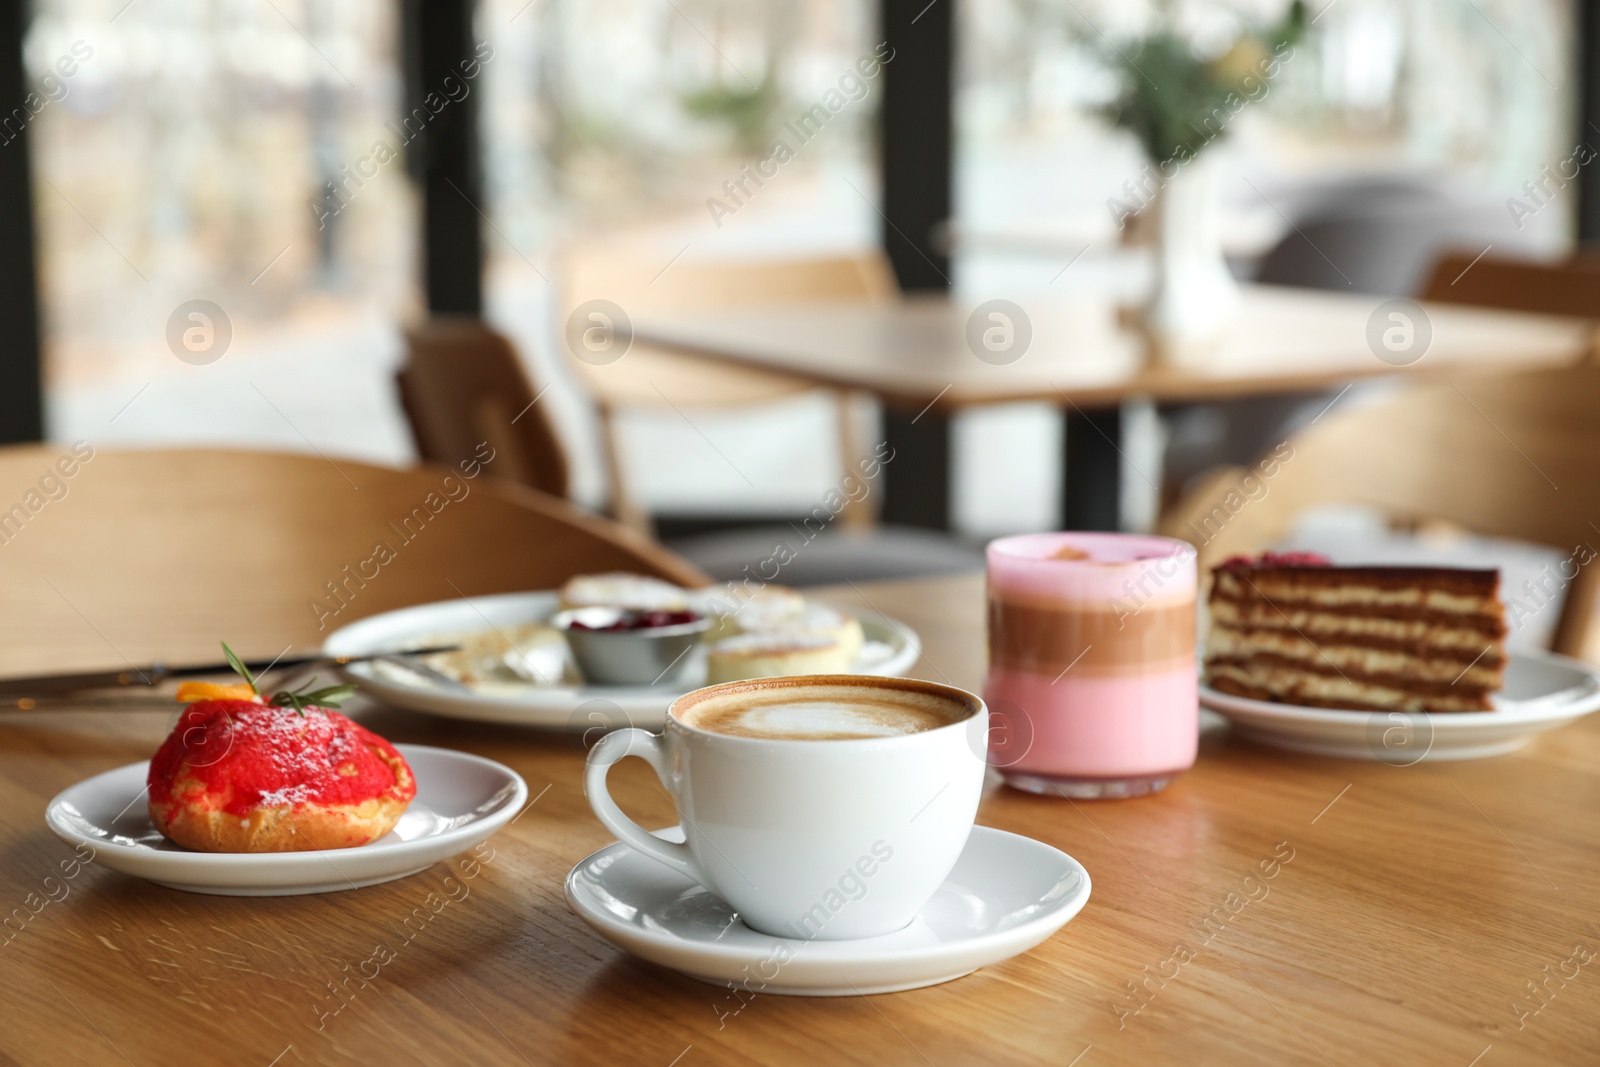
{"x": 916, "y": 482}
{"x": 1091, "y": 470}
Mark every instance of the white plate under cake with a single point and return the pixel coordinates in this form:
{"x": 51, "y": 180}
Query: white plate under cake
{"x": 1542, "y": 691}
{"x": 1398, "y": 664}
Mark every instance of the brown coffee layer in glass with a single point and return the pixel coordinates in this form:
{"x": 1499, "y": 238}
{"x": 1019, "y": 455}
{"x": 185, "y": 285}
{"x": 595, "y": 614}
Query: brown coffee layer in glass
{"x": 1092, "y": 639}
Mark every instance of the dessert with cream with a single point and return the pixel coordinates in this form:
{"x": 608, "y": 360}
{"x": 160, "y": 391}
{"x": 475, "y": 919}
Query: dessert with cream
{"x": 774, "y": 654}
{"x": 726, "y": 604}
{"x": 761, "y": 632}
{"x": 755, "y": 630}
{"x": 240, "y": 773}
{"x": 633, "y": 592}
{"x": 1295, "y": 629}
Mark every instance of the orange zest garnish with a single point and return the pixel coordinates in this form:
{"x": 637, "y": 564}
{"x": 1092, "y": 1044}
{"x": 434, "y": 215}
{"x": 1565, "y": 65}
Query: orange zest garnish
{"x": 189, "y": 692}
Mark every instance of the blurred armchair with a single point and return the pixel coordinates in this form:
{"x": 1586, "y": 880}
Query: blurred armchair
{"x": 1560, "y": 287}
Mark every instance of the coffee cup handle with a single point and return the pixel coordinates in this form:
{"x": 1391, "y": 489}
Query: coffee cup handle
{"x": 619, "y": 745}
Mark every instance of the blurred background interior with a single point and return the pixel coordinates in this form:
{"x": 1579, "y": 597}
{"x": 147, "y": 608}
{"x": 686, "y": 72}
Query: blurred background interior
{"x": 189, "y": 155}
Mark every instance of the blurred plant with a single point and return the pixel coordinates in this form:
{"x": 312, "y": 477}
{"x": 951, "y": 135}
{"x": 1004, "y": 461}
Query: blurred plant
{"x": 1177, "y": 102}
{"x": 747, "y": 112}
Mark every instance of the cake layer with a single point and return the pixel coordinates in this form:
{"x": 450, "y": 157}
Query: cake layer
{"x": 1423, "y": 629}
{"x": 1482, "y": 667}
{"x": 1380, "y": 589}
{"x": 1462, "y": 580}
{"x": 1403, "y": 679}
{"x": 1489, "y": 621}
{"x": 1265, "y": 681}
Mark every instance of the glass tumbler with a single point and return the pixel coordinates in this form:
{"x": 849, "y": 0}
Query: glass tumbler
{"x": 1092, "y": 684}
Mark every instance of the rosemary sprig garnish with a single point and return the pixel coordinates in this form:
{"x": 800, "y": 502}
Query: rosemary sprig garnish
{"x": 299, "y": 699}
{"x": 239, "y": 668}
{"x": 330, "y": 697}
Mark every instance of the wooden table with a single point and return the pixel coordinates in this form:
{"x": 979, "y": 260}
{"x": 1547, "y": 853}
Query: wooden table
{"x": 1412, "y": 910}
{"x": 915, "y": 356}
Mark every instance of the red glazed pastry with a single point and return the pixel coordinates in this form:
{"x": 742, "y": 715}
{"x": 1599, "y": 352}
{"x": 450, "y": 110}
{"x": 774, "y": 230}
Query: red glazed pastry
{"x": 239, "y": 774}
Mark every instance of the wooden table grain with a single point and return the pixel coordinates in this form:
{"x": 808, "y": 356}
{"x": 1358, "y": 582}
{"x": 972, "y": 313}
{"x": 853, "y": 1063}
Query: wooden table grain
{"x": 1440, "y": 914}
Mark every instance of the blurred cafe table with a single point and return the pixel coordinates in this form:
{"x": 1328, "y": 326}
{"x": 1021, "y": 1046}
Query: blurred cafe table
{"x": 1267, "y": 908}
{"x": 924, "y": 358}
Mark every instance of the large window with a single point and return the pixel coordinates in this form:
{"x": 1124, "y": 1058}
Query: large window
{"x": 1413, "y": 122}
{"x": 622, "y": 120}
{"x": 1471, "y": 98}
{"x": 180, "y": 151}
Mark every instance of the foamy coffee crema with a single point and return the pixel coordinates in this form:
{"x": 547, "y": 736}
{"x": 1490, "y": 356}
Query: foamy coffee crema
{"x": 822, "y": 713}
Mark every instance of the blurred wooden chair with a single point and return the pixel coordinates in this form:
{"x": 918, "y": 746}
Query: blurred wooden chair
{"x": 462, "y": 385}
{"x": 1566, "y": 287}
{"x": 155, "y": 556}
{"x": 652, "y": 379}
{"x": 1514, "y": 456}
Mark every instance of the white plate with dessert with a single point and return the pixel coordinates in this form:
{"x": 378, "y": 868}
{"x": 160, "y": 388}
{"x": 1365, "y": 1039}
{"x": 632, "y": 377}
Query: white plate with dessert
{"x": 256, "y": 795}
{"x": 524, "y": 657}
{"x": 1398, "y": 664}
{"x": 1542, "y": 691}
{"x": 461, "y": 800}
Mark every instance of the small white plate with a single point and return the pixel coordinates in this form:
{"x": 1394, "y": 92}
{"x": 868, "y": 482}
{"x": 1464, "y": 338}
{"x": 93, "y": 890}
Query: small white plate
{"x": 571, "y": 706}
{"x": 1006, "y": 895}
{"x": 461, "y": 800}
{"x": 1542, "y": 691}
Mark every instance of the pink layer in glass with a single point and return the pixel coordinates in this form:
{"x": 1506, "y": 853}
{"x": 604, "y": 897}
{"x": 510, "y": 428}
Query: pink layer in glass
{"x": 1093, "y": 727}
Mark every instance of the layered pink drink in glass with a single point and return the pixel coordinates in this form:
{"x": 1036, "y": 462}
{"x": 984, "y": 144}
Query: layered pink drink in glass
{"x": 1092, "y": 685}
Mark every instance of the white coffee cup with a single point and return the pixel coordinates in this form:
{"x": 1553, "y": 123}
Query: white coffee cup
{"x": 810, "y": 839}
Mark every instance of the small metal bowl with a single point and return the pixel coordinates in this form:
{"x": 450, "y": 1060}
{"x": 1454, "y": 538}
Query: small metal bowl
{"x": 655, "y": 655}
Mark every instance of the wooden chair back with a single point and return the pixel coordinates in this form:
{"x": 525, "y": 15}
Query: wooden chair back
{"x": 139, "y": 557}
{"x": 641, "y": 283}
{"x": 463, "y": 386}
{"x": 1568, "y": 287}
{"x": 650, "y": 378}
{"x": 1513, "y": 456}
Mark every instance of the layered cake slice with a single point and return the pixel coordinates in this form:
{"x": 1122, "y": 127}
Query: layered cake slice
{"x": 1294, "y": 629}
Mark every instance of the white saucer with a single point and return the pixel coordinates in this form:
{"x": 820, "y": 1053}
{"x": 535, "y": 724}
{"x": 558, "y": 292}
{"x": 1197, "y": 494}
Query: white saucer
{"x": 1006, "y": 895}
{"x": 1543, "y": 691}
{"x": 461, "y": 800}
{"x": 891, "y": 648}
